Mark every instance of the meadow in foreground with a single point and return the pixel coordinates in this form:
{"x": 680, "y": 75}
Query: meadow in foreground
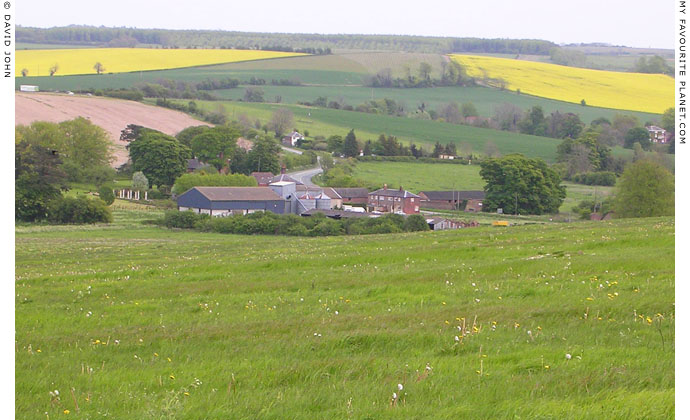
{"x": 560, "y": 321}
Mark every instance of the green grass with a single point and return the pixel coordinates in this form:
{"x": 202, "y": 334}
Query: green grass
{"x": 417, "y": 177}
{"x": 117, "y": 313}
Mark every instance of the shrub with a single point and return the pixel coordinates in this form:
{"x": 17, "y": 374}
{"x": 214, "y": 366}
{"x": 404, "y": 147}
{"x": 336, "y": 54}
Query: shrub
{"x": 105, "y": 193}
{"x": 79, "y": 210}
{"x": 182, "y": 219}
{"x": 415, "y": 223}
{"x": 596, "y": 178}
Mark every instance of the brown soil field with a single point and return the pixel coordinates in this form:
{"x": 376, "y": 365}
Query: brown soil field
{"x": 113, "y": 115}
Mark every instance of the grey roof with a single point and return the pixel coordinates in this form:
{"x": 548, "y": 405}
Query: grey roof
{"x": 389, "y": 192}
{"x": 238, "y": 193}
{"x": 352, "y": 192}
{"x": 454, "y": 195}
{"x": 331, "y": 192}
{"x": 194, "y": 164}
{"x": 263, "y": 177}
{"x": 284, "y": 177}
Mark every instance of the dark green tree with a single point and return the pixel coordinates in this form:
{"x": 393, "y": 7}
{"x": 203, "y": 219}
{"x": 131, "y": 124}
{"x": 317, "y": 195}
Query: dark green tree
{"x": 185, "y": 136}
{"x": 159, "y": 156}
{"x": 638, "y": 135}
{"x": 264, "y": 156}
{"x": 105, "y": 193}
{"x": 350, "y": 145}
{"x": 521, "y": 185}
{"x": 645, "y": 189}
{"x": 533, "y": 122}
{"x": 215, "y": 146}
{"x": 415, "y": 223}
{"x": 38, "y": 180}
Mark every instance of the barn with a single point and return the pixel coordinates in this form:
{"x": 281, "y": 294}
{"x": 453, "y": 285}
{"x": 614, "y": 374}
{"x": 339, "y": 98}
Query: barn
{"x": 223, "y": 201}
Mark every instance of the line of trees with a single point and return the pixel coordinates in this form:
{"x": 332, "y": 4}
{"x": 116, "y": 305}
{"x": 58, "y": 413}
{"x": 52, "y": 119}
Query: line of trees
{"x": 309, "y": 43}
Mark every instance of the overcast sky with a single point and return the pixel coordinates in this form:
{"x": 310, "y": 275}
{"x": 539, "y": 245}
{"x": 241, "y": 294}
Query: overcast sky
{"x": 635, "y": 23}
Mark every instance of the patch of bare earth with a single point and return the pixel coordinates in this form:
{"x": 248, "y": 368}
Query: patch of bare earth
{"x": 113, "y": 115}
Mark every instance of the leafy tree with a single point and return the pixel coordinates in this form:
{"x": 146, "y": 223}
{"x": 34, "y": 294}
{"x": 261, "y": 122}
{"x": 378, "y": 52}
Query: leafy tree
{"x": 216, "y": 145}
{"x": 281, "y": 121}
{"x": 638, "y": 135}
{"x": 105, "y": 193}
{"x": 515, "y": 180}
{"x": 668, "y": 120}
{"x": 438, "y": 149}
{"x": 25, "y": 72}
{"x": 507, "y": 116}
{"x": 264, "y": 156}
{"x": 98, "y": 67}
{"x": 38, "y": 180}
{"x": 415, "y": 223}
{"x": 53, "y": 69}
{"x": 350, "y": 146}
{"x": 252, "y": 94}
{"x": 533, "y": 122}
{"x": 335, "y": 144}
{"x": 469, "y": 110}
{"x": 139, "y": 181}
{"x": 160, "y": 157}
{"x": 186, "y": 135}
{"x": 451, "y": 113}
{"x": 645, "y": 189}
{"x": 425, "y": 71}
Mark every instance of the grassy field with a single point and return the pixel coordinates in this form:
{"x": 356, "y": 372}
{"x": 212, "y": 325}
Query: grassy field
{"x": 634, "y": 91}
{"x": 119, "y": 60}
{"x": 417, "y": 177}
{"x": 326, "y": 122}
{"x": 569, "y": 321}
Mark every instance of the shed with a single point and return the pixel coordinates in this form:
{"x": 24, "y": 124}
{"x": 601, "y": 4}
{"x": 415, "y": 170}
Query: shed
{"x": 223, "y": 201}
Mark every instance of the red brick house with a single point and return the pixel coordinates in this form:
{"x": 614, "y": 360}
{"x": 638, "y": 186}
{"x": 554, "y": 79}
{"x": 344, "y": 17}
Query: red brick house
{"x": 657, "y": 134}
{"x": 393, "y": 201}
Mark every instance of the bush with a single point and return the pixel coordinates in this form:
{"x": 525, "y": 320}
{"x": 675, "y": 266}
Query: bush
{"x": 415, "y": 223}
{"x": 105, "y": 193}
{"x": 182, "y": 219}
{"x": 79, "y": 210}
{"x": 595, "y": 178}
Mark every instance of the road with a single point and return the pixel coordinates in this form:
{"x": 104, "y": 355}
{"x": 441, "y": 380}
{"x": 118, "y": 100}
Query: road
{"x": 305, "y": 176}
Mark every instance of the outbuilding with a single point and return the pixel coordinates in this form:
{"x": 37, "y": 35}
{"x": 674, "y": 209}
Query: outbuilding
{"x": 224, "y": 201}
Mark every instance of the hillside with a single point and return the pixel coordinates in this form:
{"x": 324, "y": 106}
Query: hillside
{"x": 555, "y": 321}
{"x": 113, "y": 115}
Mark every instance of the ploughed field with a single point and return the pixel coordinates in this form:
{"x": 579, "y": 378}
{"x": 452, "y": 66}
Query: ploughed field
{"x": 552, "y": 321}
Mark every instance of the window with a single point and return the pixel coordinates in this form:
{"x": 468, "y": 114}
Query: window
{"x": 416, "y": 208}
{"x": 412, "y": 199}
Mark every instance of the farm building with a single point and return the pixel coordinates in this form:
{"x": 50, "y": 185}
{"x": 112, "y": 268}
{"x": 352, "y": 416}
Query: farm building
{"x": 657, "y": 134}
{"x": 292, "y": 138}
{"x": 453, "y": 200}
{"x": 336, "y": 199}
{"x": 263, "y": 178}
{"x": 440, "y": 223}
{"x": 387, "y": 200}
{"x": 194, "y": 164}
{"x": 223, "y": 201}
{"x": 353, "y": 195}
{"x": 287, "y": 178}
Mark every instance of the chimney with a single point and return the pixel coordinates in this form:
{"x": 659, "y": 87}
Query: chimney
{"x": 283, "y": 169}
{"x": 401, "y": 188}
{"x": 385, "y": 186}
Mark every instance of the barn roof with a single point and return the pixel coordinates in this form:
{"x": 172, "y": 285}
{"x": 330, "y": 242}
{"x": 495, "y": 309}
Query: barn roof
{"x": 394, "y": 193}
{"x": 238, "y": 193}
{"x": 352, "y": 192}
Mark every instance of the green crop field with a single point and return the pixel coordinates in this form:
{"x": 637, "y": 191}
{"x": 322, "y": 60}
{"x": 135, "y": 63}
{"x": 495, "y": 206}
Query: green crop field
{"x": 326, "y": 122}
{"x": 571, "y": 321}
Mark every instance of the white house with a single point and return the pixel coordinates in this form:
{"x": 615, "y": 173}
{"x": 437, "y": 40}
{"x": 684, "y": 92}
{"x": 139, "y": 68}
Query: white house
{"x": 291, "y": 139}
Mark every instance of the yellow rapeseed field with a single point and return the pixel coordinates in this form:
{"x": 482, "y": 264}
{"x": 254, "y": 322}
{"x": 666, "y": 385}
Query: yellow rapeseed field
{"x": 629, "y": 91}
{"x": 119, "y": 60}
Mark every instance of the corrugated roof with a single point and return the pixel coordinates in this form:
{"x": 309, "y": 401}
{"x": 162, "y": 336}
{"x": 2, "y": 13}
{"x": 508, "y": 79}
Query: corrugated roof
{"x": 394, "y": 193}
{"x": 284, "y": 177}
{"x": 454, "y": 195}
{"x": 331, "y": 192}
{"x": 238, "y": 193}
{"x": 352, "y": 192}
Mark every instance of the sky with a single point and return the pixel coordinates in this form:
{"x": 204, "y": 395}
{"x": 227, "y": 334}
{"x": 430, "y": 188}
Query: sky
{"x": 633, "y": 23}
